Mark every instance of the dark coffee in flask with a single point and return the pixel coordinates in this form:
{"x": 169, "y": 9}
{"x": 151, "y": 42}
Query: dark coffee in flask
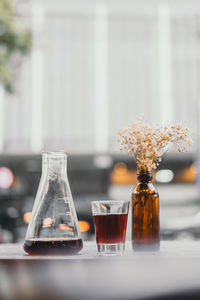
{"x": 56, "y": 247}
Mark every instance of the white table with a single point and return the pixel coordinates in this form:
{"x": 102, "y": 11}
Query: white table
{"x": 174, "y": 270}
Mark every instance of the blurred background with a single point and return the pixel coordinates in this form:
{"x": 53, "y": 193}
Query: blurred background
{"x": 73, "y": 75}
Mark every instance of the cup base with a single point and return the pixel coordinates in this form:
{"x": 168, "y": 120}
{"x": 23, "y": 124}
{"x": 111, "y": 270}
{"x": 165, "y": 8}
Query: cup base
{"x": 110, "y": 249}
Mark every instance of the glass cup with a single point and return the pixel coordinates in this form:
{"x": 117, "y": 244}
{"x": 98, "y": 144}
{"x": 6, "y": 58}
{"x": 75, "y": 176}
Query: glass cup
{"x": 110, "y": 221}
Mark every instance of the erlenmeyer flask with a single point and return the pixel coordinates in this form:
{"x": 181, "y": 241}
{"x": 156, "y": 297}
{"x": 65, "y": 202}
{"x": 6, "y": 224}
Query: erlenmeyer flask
{"x": 53, "y": 228}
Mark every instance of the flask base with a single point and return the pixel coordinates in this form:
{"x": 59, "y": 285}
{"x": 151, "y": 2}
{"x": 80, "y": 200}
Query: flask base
{"x": 49, "y": 246}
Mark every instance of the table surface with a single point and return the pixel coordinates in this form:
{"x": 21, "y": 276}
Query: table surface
{"x": 168, "y": 250}
{"x": 173, "y": 271}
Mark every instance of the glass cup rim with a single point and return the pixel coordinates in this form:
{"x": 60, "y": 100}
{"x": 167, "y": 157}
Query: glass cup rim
{"x": 54, "y": 153}
{"x": 110, "y": 201}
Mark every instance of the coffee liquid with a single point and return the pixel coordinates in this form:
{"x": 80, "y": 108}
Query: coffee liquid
{"x": 110, "y": 228}
{"x": 53, "y": 246}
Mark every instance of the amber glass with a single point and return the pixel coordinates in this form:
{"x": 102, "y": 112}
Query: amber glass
{"x": 145, "y": 214}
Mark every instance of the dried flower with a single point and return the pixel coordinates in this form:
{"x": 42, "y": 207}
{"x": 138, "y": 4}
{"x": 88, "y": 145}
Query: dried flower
{"x": 147, "y": 143}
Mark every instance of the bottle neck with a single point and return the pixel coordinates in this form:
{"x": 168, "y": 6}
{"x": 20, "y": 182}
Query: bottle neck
{"x": 144, "y": 176}
{"x": 54, "y": 162}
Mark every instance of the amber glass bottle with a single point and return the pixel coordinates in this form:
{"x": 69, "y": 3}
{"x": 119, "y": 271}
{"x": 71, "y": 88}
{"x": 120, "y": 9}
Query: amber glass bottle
{"x": 145, "y": 214}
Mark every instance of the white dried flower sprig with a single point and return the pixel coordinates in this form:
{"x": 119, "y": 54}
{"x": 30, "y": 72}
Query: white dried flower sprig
{"x": 147, "y": 144}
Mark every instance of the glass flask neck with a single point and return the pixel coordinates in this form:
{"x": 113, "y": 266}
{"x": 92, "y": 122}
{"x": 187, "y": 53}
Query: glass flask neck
{"x": 144, "y": 176}
{"x": 54, "y": 162}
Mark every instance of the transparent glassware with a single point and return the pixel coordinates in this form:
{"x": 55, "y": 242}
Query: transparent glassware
{"x": 145, "y": 214}
{"x": 110, "y": 222}
{"x": 53, "y": 228}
